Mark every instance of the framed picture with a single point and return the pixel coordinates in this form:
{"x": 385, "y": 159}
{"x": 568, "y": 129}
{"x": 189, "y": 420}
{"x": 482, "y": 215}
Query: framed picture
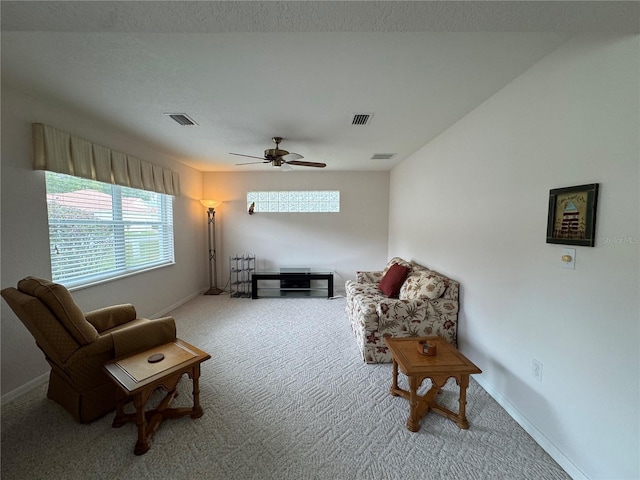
{"x": 572, "y": 215}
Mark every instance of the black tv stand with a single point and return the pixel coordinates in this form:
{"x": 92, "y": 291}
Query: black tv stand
{"x": 294, "y": 282}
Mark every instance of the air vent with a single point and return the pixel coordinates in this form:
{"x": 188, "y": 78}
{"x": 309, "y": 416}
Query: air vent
{"x": 182, "y": 119}
{"x": 361, "y": 119}
{"x": 383, "y": 156}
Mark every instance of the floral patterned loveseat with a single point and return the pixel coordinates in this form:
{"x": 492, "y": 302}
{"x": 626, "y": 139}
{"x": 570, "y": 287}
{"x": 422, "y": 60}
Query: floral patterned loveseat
{"x": 427, "y": 304}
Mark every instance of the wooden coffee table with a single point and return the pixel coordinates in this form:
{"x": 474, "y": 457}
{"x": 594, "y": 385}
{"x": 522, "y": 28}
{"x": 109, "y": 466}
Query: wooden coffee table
{"x": 447, "y": 363}
{"x": 136, "y": 376}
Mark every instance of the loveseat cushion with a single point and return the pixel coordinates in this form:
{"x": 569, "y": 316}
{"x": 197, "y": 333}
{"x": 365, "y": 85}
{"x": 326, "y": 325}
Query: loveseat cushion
{"x": 58, "y": 299}
{"x": 422, "y": 284}
{"x": 393, "y": 280}
{"x": 401, "y": 318}
{"x": 397, "y": 261}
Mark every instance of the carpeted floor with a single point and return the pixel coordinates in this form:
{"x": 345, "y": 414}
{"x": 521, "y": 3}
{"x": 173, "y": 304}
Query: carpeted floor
{"x": 286, "y": 395}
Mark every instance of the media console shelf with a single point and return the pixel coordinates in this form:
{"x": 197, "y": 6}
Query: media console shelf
{"x": 298, "y": 282}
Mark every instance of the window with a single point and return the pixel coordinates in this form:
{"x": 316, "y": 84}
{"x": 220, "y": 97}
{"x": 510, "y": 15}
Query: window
{"x": 296, "y": 201}
{"x": 99, "y": 231}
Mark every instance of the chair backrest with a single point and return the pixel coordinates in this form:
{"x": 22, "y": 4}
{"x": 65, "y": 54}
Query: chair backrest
{"x": 51, "y": 316}
{"x": 58, "y": 299}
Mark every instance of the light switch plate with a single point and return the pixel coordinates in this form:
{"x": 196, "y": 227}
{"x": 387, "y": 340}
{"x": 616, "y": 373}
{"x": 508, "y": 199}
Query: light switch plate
{"x": 571, "y": 252}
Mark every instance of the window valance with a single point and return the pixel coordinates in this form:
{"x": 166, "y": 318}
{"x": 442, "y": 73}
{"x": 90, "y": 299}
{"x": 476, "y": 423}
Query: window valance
{"x": 61, "y": 152}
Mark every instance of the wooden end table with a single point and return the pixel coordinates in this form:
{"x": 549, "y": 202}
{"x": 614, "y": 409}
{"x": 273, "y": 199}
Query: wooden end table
{"x": 447, "y": 363}
{"x": 136, "y": 376}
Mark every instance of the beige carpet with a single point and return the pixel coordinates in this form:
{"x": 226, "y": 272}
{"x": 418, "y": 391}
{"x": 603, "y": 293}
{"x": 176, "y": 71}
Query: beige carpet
{"x": 285, "y": 396}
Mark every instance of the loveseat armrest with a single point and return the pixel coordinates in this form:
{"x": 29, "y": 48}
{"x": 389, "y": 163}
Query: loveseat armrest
{"x": 401, "y": 317}
{"x": 369, "y": 277}
{"x": 445, "y": 306}
{"x": 143, "y": 336}
{"x": 108, "y": 317}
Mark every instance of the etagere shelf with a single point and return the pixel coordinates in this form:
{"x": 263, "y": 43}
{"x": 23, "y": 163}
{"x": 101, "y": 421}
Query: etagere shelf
{"x": 241, "y": 267}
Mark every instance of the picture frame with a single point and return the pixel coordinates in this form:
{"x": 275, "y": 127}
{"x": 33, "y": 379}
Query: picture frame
{"x": 572, "y": 215}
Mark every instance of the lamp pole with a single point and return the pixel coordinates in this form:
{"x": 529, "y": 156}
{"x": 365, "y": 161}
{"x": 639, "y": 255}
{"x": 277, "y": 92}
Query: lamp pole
{"x": 211, "y": 232}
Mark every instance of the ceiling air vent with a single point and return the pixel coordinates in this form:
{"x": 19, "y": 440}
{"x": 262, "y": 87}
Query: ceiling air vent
{"x": 182, "y": 119}
{"x": 382, "y": 156}
{"x": 361, "y": 119}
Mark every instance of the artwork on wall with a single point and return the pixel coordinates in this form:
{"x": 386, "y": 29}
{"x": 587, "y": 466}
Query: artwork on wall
{"x": 572, "y": 215}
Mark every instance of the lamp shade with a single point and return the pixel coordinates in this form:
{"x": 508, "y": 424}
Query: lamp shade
{"x": 210, "y": 203}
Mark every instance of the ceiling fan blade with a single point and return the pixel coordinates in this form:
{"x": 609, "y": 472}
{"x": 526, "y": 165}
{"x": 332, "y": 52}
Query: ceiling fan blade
{"x": 291, "y": 156}
{"x": 307, "y": 164}
{"x": 250, "y": 156}
{"x": 253, "y": 163}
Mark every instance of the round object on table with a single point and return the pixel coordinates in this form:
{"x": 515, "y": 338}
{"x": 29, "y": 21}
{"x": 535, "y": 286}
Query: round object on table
{"x": 155, "y": 358}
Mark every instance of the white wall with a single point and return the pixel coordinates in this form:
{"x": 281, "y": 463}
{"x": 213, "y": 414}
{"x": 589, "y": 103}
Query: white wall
{"x": 354, "y": 239}
{"x": 483, "y": 186}
{"x": 25, "y": 247}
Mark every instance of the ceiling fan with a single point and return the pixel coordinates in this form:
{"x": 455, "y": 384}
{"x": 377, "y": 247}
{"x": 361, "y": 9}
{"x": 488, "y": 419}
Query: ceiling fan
{"x": 278, "y": 158}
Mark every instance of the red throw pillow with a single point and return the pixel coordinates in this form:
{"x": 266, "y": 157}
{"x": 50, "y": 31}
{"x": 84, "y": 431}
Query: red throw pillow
{"x": 393, "y": 280}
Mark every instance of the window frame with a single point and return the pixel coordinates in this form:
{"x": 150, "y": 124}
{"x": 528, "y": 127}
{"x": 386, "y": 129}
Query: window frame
{"x": 278, "y": 201}
{"x": 160, "y": 225}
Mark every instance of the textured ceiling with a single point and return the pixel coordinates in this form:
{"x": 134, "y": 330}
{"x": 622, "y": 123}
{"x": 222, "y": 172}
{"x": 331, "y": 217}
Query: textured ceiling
{"x": 246, "y": 71}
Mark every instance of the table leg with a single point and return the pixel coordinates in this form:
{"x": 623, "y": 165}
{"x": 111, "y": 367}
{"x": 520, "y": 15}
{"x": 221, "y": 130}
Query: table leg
{"x": 142, "y": 445}
{"x": 120, "y": 418}
{"x": 462, "y": 401}
{"x": 413, "y": 422}
{"x": 197, "y": 409}
{"x": 394, "y": 379}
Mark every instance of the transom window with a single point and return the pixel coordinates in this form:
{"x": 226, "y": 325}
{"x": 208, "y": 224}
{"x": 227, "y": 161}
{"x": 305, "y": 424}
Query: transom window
{"x": 99, "y": 231}
{"x": 299, "y": 201}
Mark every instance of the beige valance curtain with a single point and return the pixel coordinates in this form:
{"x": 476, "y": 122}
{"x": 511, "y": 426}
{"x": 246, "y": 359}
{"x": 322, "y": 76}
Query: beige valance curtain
{"x": 61, "y": 152}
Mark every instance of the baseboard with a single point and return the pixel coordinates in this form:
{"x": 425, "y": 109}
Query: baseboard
{"x": 567, "y": 465}
{"x": 164, "y": 311}
{"x": 23, "y": 389}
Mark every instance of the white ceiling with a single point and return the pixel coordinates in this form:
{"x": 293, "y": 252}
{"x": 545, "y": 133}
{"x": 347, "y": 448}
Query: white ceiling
{"x": 248, "y": 70}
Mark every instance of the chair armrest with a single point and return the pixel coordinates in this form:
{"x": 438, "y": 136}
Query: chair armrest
{"x": 103, "y": 345}
{"x": 109, "y": 317}
{"x": 369, "y": 277}
{"x": 143, "y": 336}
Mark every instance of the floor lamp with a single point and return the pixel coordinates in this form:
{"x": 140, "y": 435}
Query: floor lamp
{"x": 211, "y": 231}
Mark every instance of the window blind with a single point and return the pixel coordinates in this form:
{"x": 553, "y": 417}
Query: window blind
{"x": 99, "y": 231}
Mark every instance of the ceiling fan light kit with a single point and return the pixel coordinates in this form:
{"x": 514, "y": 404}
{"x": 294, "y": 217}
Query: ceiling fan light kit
{"x": 281, "y": 158}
